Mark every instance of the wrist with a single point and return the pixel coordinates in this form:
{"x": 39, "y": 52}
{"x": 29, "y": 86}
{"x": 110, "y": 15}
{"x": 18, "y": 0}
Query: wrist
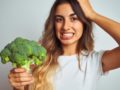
{"x": 18, "y": 88}
{"x": 92, "y": 16}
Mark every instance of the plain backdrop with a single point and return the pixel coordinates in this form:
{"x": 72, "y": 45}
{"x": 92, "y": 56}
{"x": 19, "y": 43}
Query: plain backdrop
{"x": 25, "y": 18}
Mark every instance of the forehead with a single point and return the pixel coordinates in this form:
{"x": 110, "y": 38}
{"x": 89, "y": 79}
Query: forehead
{"x": 64, "y": 9}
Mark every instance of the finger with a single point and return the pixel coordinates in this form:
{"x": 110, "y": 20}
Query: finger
{"x": 25, "y": 74}
{"x": 18, "y": 75}
{"x": 19, "y": 70}
{"x": 27, "y": 83}
{"x": 21, "y": 84}
{"x": 14, "y": 70}
{"x": 23, "y": 79}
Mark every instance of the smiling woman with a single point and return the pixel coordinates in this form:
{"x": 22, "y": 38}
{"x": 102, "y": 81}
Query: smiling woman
{"x": 67, "y": 26}
{"x": 71, "y": 62}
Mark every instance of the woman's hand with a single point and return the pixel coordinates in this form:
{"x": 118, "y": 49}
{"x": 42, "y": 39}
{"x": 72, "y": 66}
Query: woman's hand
{"x": 87, "y": 9}
{"x": 19, "y": 78}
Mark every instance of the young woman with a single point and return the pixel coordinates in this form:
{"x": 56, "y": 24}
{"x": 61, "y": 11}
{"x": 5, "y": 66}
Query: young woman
{"x": 71, "y": 62}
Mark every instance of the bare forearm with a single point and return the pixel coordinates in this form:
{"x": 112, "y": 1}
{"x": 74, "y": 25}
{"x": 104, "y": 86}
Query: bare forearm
{"x": 108, "y": 25}
{"x": 19, "y": 89}
{"x": 23, "y": 88}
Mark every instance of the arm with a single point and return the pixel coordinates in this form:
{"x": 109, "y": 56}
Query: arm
{"x": 111, "y": 58}
{"x": 24, "y": 88}
{"x": 19, "y": 89}
{"x": 20, "y": 79}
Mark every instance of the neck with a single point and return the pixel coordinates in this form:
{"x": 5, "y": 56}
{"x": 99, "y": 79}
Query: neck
{"x": 69, "y": 50}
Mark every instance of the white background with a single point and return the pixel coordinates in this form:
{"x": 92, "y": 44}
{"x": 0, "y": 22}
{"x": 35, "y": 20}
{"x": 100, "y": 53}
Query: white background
{"x": 25, "y": 18}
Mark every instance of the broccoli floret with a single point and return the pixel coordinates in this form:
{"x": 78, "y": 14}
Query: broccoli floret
{"x": 22, "y": 53}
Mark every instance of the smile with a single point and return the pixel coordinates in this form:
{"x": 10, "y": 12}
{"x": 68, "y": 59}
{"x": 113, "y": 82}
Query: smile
{"x": 67, "y": 35}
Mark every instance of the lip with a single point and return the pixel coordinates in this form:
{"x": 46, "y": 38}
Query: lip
{"x": 66, "y": 35}
{"x": 66, "y": 32}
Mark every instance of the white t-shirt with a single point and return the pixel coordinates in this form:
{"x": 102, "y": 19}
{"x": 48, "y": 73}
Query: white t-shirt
{"x": 70, "y": 77}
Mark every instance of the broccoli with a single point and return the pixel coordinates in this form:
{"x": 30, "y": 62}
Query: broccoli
{"x": 22, "y": 53}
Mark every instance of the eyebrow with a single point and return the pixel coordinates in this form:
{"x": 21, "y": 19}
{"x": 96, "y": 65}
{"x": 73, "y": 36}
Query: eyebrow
{"x": 73, "y": 14}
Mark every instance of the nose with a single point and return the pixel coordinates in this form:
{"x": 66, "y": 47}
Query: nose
{"x": 67, "y": 25}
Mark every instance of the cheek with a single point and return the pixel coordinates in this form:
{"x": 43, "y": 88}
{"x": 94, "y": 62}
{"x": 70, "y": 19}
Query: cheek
{"x": 58, "y": 28}
{"x": 79, "y": 29}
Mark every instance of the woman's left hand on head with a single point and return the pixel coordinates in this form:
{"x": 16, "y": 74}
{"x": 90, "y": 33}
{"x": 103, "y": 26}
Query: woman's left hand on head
{"x": 87, "y": 8}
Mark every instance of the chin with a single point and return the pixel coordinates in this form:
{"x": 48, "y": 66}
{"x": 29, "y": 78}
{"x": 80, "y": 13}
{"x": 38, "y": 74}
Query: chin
{"x": 66, "y": 43}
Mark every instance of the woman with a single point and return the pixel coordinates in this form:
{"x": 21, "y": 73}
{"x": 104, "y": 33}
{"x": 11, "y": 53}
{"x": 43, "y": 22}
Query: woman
{"x": 71, "y": 62}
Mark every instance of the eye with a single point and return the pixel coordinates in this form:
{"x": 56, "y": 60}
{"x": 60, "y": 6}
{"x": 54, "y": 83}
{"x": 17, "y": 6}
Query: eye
{"x": 58, "y": 19}
{"x": 75, "y": 18}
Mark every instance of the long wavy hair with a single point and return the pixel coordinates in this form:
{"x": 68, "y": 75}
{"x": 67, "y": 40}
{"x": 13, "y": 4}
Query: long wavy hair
{"x": 44, "y": 74}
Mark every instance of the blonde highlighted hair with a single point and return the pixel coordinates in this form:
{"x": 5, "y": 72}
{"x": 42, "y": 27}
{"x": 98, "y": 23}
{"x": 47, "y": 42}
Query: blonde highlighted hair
{"x": 45, "y": 73}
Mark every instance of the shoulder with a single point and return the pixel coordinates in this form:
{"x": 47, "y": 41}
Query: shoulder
{"x": 93, "y": 61}
{"x": 93, "y": 56}
{"x": 92, "y": 53}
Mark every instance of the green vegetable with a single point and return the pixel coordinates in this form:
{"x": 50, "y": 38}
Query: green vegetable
{"x": 22, "y": 53}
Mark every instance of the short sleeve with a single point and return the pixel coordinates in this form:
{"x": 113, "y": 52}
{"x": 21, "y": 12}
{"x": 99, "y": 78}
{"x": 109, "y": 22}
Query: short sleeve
{"x": 99, "y": 58}
{"x": 96, "y": 62}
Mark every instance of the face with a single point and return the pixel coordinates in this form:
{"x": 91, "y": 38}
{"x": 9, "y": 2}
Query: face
{"x": 68, "y": 27}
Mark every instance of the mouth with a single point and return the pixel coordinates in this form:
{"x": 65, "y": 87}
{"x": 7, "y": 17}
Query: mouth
{"x": 67, "y": 35}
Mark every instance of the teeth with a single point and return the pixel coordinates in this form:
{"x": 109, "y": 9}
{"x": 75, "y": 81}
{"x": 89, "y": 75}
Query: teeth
{"x": 68, "y": 34}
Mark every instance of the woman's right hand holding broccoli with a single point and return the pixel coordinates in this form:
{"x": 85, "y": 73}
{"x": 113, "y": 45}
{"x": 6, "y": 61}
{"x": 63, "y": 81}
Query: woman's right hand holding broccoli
{"x": 19, "y": 78}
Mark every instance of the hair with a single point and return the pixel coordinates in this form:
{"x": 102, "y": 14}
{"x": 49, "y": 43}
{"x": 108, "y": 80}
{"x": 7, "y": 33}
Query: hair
{"x": 43, "y": 74}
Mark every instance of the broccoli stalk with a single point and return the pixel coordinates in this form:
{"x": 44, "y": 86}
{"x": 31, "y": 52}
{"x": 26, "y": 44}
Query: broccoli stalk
{"x": 22, "y": 53}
